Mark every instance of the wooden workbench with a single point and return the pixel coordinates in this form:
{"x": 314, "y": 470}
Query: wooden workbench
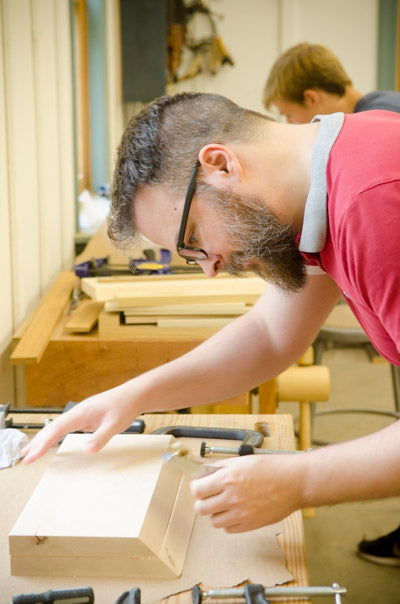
{"x": 75, "y": 366}
{"x": 60, "y": 366}
{"x": 17, "y": 484}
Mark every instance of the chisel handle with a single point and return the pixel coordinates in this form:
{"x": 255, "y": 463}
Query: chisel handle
{"x": 78, "y": 595}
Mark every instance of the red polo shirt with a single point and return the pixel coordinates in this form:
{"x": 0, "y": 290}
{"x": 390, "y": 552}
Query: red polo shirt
{"x": 362, "y": 244}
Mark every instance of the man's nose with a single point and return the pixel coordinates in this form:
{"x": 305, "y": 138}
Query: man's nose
{"x": 211, "y": 266}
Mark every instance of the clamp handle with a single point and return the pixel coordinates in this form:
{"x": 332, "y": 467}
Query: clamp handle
{"x": 129, "y": 597}
{"x": 254, "y": 593}
{"x": 248, "y": 437}
{"x": 79, "y": 595}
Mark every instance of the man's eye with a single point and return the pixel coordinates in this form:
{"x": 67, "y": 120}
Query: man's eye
{"x": 192, "y": 240}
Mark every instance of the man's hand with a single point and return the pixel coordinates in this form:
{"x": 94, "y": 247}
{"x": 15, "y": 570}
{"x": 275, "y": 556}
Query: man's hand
{"x": 250, "y": 492}
{"x": 104, "y": 414}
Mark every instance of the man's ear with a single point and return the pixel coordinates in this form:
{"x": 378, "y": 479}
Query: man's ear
{"x": 311, "y": 98}
{"x": 219, "y": 165}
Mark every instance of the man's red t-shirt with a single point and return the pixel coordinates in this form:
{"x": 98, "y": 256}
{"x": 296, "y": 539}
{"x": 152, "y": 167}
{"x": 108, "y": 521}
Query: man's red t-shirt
{"x": 361, "y": 250}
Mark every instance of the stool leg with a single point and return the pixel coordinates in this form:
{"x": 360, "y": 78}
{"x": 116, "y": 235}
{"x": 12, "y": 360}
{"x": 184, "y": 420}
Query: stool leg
{"x": 267, "y": 397}
{"x": 318, "y": 347}
{"x": 305, "y": 426}
{"x": 305, "y": 441}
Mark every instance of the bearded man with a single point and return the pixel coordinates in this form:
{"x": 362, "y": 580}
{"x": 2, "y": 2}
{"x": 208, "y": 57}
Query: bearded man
{"x": 315, "y": 209}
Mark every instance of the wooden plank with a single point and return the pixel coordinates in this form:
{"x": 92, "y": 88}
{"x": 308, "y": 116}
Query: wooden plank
{"x": 111, "y": 328}
{"x": 174, "y": 291}
{"x": 141, "y": 523}
{"x": 84, "y": 318}
{"x": 213, "y": 322}
{"x": 130, "y": 303}
{"x": 32, "y": 345}
{"x": 218, "y": 308}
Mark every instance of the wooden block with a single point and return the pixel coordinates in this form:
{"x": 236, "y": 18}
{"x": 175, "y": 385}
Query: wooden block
{"x": 130, "y": 303}
{"x": 84, "y": 318}
{"x": 122, "y": 512}
{"x": 33, "y": 343}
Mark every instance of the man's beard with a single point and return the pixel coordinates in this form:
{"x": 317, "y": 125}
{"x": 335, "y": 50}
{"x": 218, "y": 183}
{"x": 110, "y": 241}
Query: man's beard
{"x": 265, "y": 245}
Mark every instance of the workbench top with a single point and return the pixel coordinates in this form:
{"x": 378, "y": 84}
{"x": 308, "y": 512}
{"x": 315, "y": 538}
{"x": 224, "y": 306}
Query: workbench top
{"x": 17, "y": 484}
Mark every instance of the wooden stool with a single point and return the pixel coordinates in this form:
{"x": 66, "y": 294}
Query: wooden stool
{"x": 301, "y": 384}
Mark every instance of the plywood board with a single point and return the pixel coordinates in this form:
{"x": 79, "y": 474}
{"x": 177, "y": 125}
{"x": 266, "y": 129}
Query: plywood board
{"x": 119, "y": 513}
{"x": 137, "y": 292}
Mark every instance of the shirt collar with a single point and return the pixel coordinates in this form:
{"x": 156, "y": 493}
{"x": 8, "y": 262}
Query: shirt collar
{"x": 315, "y": 220}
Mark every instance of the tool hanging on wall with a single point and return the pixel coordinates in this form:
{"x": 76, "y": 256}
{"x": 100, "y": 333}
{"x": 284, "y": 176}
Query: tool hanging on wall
{"x": 208, "y": 52}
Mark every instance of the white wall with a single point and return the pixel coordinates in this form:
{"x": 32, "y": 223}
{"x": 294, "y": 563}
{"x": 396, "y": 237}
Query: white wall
{"x": 348, "y": 27}
{"x": 257, "y": 31}
{"x": 37, "y": 220}
{"x": 37, "y": 201}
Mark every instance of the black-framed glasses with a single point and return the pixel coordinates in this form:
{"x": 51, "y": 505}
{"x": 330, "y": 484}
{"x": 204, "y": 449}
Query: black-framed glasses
{"x": 190, "y": 254}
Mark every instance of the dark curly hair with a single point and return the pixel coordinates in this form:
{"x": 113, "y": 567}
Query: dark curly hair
{"x": 161, "y": 145}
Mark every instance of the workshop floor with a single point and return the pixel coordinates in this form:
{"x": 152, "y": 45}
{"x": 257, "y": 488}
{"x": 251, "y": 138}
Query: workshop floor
{"x": 332, "y": 535}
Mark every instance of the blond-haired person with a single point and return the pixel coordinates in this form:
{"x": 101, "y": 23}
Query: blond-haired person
{"x": 308, "y": 80}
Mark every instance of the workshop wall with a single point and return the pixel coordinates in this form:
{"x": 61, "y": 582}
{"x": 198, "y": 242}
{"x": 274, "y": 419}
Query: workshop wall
{"x": 37, "y": 219}
{"x": 257, "y": 31}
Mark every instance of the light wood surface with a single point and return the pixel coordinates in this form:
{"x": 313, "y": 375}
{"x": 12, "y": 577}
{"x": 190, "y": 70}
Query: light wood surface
{"x": 84, "y": 317}
{"x": 33, "y": 343}
{"x": 75, "y": 366}
{"x": 140, "y": 292}
{"x": 133, "y": 517}
{"x": 218, "y": 308}
{"x": 17, "y": 484}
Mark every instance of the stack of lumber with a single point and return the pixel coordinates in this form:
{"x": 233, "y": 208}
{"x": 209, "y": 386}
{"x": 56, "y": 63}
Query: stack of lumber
{"x": 170, "y": 301}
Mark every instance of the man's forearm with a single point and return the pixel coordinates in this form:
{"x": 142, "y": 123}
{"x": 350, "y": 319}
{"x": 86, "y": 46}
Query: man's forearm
{"x": 233, "y": 361}
{"x": 246, "y": 353}
{"x": 364, "y": 468}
